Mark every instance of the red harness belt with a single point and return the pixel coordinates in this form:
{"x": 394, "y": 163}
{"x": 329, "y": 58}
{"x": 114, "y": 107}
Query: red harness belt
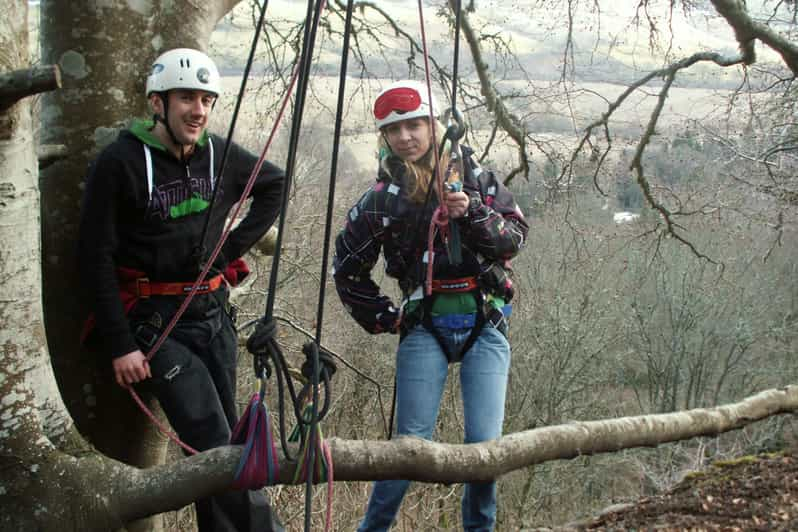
{"x": 133, "y": 286}
{"x": 142, "y": 287}
{"x": 463, "y": 284}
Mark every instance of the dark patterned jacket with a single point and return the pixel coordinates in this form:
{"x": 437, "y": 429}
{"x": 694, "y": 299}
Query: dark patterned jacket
{"x": 386, "y": 219}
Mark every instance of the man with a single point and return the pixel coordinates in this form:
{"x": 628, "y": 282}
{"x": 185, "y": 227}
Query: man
{"x": 145, "y": 205}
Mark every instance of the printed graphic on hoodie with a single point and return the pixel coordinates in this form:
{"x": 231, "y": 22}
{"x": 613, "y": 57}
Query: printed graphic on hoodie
{"x": 180, "y": 198}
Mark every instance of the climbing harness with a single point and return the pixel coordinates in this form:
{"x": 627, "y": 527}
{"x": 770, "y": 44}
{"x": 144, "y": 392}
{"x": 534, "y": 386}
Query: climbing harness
{"x": 143, "y": 287}
{"x": 449, "y": 233}
{"x": 429, "y": 289}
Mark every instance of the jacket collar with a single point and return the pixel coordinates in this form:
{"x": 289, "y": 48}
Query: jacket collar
{"x": 142, "y": 130}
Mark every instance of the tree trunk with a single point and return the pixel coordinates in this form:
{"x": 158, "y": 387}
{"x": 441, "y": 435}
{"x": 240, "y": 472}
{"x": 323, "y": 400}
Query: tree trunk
{"x": 104, "y": 54}
{"x": 34, "y": 419}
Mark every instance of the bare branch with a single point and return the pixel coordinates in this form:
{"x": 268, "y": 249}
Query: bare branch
{"x": 746, "y": 31}
{"x": 21, "y": 83}
{"x": 504, "y": 118}
{"x": 141, "y": 493}
{"x": 669, "y": 73}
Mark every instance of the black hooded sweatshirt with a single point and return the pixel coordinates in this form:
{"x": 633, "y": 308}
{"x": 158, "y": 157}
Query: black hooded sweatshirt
{"x": 152, "y": 221}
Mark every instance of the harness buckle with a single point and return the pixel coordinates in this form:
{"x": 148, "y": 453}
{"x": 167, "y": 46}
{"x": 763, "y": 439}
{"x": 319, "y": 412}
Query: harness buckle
{"x": 143, "y": 287}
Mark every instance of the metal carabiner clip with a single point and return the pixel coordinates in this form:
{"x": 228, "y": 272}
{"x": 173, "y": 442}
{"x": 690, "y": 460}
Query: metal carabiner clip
{"x": 455, "y": 126}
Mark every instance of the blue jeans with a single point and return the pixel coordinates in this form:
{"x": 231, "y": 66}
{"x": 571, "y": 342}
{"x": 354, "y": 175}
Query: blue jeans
{"x": 421, "y": 369}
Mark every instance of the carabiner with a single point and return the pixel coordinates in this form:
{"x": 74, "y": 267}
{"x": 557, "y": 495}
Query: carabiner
{"x": 455, "y": 125}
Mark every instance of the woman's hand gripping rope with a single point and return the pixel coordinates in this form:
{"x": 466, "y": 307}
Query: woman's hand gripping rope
{"x": 454, "y": 202}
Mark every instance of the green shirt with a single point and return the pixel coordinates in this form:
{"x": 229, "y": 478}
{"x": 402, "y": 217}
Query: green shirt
{"x": 455, "y": 303}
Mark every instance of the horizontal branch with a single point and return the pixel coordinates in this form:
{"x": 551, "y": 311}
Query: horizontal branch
{"x": 421, "y": 460}
{"x": 177, "y": 484}
{"x": 47, "y": 154}
{"x": 18, "y": 84}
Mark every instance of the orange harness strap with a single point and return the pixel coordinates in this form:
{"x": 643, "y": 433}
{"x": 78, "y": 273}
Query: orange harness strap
{"x": 463, "y": 284}
{"x": 142, "y": 287}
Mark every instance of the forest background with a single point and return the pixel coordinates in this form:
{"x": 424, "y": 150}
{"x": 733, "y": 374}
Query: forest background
{"x": 621, "y": 310}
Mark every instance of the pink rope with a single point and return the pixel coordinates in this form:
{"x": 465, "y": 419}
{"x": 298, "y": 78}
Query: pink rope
{"x": 440, "y": 217}
{"x": 171, "y": 435}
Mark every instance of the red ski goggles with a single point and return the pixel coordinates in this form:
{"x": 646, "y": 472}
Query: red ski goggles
{"x": 401, "y": 100}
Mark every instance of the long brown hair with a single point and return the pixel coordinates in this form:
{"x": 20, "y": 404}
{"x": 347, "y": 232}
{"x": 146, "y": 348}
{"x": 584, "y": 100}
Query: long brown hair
{"x": 419, "y": 173}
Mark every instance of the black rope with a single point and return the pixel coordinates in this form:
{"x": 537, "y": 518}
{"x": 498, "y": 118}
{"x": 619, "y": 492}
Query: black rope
{"x": 300, "y": 104}
{"x": 456, "y": 58}
{"x": 200, "y": 250}
{"x": 312, "y": 348}
{"x": 309, "y": 38}
{"x": 296, "y": 121}
{"x": 264, "y": 347}
{"x": 334, "y": 169}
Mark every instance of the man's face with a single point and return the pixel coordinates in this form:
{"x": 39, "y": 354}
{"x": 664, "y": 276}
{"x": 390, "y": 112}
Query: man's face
{"x": 189, "y": 111}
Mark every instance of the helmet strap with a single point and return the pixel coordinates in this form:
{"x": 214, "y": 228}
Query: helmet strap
{"x": 165, "y": 121}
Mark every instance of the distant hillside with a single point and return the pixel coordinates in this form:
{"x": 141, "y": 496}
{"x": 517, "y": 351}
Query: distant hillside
{"x": 609, "y": 46}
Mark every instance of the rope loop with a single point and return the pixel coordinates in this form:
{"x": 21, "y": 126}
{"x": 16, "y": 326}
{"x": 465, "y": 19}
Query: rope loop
{"x": 324, "y": 369}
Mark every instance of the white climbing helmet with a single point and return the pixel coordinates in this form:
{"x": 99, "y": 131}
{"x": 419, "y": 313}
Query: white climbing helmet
{"x": 183, "y": 68}
{"x": 403, "y": 100}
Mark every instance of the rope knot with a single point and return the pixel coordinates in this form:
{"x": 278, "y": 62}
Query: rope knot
{"x": 265, "y": 332}
{"x": 326, "y": 362}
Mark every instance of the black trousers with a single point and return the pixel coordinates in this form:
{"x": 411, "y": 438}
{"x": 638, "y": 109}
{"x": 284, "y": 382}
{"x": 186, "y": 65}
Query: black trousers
{"x": 194, "y": 380}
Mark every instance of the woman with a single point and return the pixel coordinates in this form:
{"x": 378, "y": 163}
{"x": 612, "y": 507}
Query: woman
{"x": 463, "y": 319}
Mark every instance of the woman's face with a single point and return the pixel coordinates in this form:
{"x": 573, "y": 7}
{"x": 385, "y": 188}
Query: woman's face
{"x": 409, "y": 139}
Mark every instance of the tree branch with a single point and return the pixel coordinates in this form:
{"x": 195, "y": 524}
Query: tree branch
{"x": 504, "y": 118}
{"x": 153, "y": 490}
{"x": 746, "y": 30}
{"x": 21, "y": 83}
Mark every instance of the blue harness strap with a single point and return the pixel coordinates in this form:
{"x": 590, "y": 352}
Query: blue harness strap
{"x": 464, "y": 321}
{"x": 455, "y": 321}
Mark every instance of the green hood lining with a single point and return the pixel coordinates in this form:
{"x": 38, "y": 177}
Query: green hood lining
{"x": 142, "y": 129}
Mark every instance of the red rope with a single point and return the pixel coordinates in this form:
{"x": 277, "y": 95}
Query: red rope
{"x": 206, "y": 269}
{"x": 440, "y": 217}
{"x": 168, "y": 433}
